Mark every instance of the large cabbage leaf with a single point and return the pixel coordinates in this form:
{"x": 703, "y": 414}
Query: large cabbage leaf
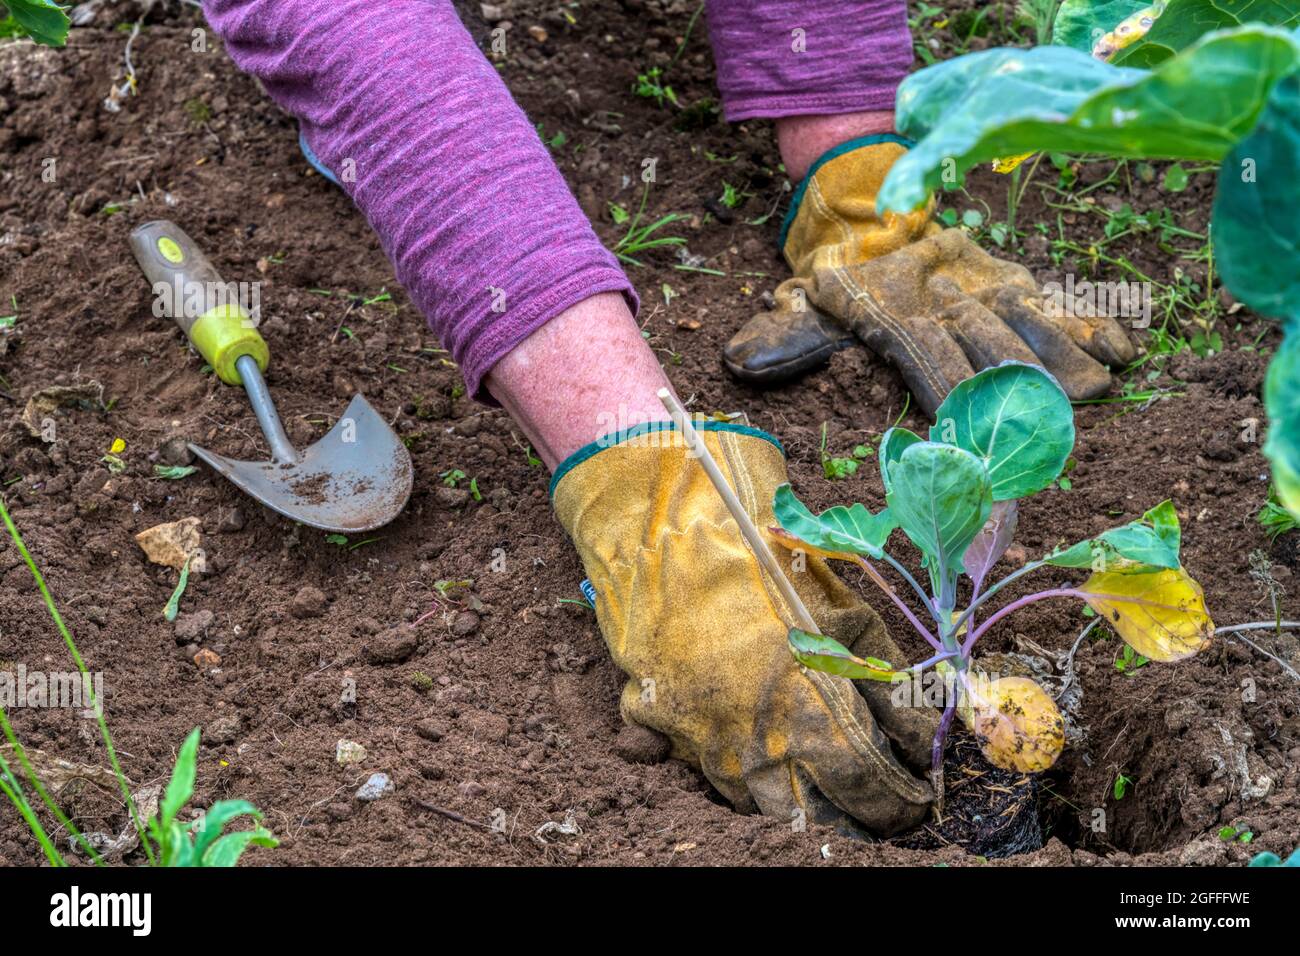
{"x": 1006, "y": 102}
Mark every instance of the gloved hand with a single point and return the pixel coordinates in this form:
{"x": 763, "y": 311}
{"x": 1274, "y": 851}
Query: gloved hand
{"x": 700, "y": 630}
{"x": 927, "y": 300}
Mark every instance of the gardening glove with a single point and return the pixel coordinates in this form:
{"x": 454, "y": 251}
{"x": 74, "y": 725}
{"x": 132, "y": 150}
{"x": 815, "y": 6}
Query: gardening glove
{"x": 701, "y": 632}
{"x": 925, "y": 299}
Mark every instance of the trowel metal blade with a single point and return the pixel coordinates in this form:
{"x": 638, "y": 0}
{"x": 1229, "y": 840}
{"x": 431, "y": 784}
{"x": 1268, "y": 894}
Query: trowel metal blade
{"x": 357, "y": 478}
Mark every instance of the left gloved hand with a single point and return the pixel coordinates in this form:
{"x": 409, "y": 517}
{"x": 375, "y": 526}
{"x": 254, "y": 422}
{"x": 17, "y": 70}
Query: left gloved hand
{"x": 927, "y": 300}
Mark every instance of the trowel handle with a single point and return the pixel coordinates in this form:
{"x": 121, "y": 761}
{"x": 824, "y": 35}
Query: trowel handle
{"x": 188, "y": 289}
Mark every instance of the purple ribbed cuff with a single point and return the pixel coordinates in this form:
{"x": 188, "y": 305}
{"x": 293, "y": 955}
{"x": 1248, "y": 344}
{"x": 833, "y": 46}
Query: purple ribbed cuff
{"x": 797, "y": 57}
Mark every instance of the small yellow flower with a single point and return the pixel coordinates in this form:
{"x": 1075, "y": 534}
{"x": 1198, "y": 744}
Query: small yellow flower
{"x": 117, "y": 447}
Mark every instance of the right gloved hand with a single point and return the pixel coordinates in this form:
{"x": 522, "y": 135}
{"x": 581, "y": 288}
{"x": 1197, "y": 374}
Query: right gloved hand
{"x": 929, "y": 301}
{"x": 690, "y": 616}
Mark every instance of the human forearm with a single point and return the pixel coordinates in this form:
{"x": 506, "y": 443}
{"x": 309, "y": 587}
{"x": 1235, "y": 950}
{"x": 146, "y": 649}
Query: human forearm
{"x": 480, "y": 226}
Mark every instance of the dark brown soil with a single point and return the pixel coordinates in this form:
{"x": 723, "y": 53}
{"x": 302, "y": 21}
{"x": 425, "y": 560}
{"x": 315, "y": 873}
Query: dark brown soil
{"x": 505, "y": 709}
{"x": 986, "y": 811}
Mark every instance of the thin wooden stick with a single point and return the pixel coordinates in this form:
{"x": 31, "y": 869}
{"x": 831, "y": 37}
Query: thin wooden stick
{"x": 747, "y": 528}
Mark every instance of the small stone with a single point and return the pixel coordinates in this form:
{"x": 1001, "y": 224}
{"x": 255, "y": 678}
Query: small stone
{"x": 206, "y": 658}
{"x": 471, "y": 788}
{"x": 348, "y": 752}
{"x": 392, "y": 646}
{"x": 95, "y": 614}
{"x": 451, "y": 497}
{"x": 379, "y": 785}
{"x": 637, "y": 744}
{"x": 465, "y": 623}
{"x": 223, "y": 730}
{"x": 233, "y": 521}
{"x": 1207, "y": 851}
{"x": 492, "y": 11}
{"x": 308, "y": 602}
{"x": 172, "y": 544}
{"x": 430, "y": 729}
{"x": 190, "y": 628}
{"x": 538, "y": 33}
{"x": 175, "y": 451}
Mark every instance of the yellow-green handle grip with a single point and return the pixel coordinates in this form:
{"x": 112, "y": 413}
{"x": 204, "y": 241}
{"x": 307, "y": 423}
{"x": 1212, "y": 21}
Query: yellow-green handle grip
{"x": 188, "y": 289}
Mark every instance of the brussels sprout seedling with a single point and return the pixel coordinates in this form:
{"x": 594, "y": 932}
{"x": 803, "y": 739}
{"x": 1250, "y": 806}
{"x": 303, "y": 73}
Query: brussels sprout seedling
{"x": 1001, "y": 435}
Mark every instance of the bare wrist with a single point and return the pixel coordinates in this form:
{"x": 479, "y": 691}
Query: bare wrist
{"x": 802, "y": 139}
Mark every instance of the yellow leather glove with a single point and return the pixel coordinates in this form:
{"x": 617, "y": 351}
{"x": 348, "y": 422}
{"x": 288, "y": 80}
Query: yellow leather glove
{"x": 692, "y": 619}
{"x": 927, "y": 300}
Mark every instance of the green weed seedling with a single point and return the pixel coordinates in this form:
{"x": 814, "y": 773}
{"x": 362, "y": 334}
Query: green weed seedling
{"x": 200, "y": 843}
{"x": 1120, "y": 787}
{"x": 1000, "y": 436}
{"x": 836, "y": 469}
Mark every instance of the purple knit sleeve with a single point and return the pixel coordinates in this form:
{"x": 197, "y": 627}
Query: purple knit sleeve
{"x": 397, "y": 101}
{"x": 794, "y": 57}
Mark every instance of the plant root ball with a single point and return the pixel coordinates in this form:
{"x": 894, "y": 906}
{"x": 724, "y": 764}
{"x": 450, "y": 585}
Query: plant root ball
{"x": 1017, "y": 724}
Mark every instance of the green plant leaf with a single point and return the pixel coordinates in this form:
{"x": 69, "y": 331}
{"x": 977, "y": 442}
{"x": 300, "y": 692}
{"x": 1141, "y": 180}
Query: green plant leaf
{"x": 1183, "y": 22}
{"x": 1256, "y": 221}
{"x": 1005, "y": 102}
{"x": 1282, "y": 401}
{"x": 1081, "y": 23}
{"x": 174, "y": 472}
{"x": 228, "y": 850}
{"x": 173, "y": 605}
{"x": 1272, "y": 859}
{"x": 181, "y": 786}
{"x": 1152, "y": 541}
{"x": 821, "y": 653}
{"x": 892, "y": 445}
{"x": 43, "y": 20}
{"x": 1016, "y": 419}
{"x": 941, "y": 498}
{"x": 215, "y": 820}
{"x": 1176, "y": 179}
{"x": 177, "y": 850}
{"x": 853, "y": 529}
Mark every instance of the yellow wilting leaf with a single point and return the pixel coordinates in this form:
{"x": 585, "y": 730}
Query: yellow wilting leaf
{"x": 1017, "y": 725}
{"x": 1127, "y": 32}
{"x": 1160, "y": 614}
{"x": 1006, "y": 164}
{"x": 117, "y": 447}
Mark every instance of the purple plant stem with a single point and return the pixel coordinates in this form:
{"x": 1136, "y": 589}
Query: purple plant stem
{"x": 1015, "y": 605}
{"x": 930, "y": 662}
{"x": 941, "y": 735}
{"x": 907, "y": 612}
